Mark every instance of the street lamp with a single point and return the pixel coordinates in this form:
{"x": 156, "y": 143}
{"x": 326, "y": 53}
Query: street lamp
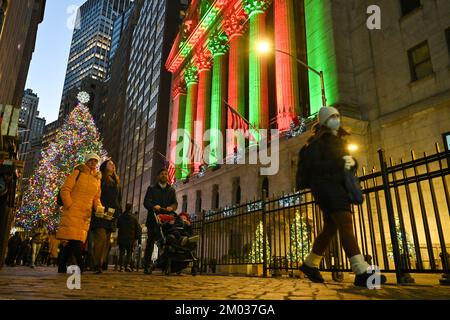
{"x": 264, "y": 47}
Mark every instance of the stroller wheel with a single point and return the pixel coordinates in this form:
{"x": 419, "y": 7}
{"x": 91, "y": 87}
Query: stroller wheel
{"x": 337, "y": 275}
{"x": 194, "y": 269}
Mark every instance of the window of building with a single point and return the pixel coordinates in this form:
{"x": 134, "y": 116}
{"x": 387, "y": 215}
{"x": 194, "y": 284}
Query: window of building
{"x": 447, "y": 35}
{"x": 185, "y": 204}
{"x": 215, "y": 197}
{"x": 265, "y": 187}
{"x": 420, "y": 61}
{"x": 236, "y": 187}
{"x": 409, "y": 6}
{"x": 198, "y": 201}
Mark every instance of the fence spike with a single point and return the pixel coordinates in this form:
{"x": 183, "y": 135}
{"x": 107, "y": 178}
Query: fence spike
{"x": 413, "y": 155}
{"x": 438, "y": 150}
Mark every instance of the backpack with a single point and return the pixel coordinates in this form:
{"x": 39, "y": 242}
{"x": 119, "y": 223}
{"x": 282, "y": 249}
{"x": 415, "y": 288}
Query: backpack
{"x": 58, "y": 196}
{"x": 303, "y": 178}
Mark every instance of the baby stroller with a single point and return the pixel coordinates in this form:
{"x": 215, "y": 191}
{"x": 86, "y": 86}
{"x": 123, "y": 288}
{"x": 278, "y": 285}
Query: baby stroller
{"x": 172, "y": 256}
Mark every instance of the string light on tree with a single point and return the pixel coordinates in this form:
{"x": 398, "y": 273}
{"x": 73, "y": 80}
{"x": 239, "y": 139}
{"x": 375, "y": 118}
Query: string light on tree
{"x": 77, "y": 136}
{"x": 257, "y": 253}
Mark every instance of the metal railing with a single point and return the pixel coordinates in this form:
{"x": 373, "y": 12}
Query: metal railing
{"x": 403, "y": 226}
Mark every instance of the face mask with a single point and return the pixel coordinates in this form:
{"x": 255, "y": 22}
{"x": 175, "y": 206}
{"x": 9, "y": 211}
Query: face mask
{"x": 334, "y": 123}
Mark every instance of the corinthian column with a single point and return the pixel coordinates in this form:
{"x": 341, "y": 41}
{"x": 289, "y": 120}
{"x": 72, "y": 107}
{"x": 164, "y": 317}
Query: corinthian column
{"x": 218, "y": 46}
{"x": 288, "y": 101}
{"x": 204, "y": 64}
{"x": 191, "y": 78}
{"x": 178, "y": 111}
{"x": 235, "y": 28}
{"x": 258, "y": 95}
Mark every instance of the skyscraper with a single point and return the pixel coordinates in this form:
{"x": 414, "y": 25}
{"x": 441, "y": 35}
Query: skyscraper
{"x": 28, "y": 112}
{"x": 145, "y": 119}
{"x": 91, "y": 43}
{"x": 110, "y": 118}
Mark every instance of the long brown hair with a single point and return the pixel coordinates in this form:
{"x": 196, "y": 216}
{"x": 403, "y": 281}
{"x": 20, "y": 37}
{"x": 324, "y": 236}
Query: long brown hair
{"x": 110, "y": 180}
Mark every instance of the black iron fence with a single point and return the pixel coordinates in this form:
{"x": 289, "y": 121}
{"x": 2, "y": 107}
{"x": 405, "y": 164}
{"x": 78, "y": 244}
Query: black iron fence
{"x": 403, "y": 226}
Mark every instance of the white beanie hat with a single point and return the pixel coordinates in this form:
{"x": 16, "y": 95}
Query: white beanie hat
{"x": 325, "y": 113}
{"x": 90, "y": 156}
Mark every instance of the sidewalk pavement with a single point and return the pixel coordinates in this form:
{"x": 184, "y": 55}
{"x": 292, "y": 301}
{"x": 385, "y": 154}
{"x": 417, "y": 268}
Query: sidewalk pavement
{"x": 45, "y": 283}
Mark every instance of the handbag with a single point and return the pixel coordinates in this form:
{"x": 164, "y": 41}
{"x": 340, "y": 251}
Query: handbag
{"x": 353, "y": 187}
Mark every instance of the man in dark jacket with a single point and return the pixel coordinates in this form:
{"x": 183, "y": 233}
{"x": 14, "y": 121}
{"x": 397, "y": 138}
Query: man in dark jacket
{"x": 159, "y": 198}
{"x": 129, "y": 234}
{"x": 13, "y": 249}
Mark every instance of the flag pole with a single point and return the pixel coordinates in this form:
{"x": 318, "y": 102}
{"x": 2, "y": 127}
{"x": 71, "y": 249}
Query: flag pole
{"x": 248, "y": 122}
{"x": 170, "y": 162}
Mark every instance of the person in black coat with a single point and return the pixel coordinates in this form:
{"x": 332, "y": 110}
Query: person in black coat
{"x": 13, "y": 249}
{"x": 129, "y": 233}
{"x": 326, "y": 160}
{"x": 103, "y": 227}
{"x": 159, "y": 198}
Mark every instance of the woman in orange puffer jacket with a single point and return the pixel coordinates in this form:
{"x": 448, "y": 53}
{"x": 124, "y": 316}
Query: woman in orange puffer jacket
{"x": 80, "y": 195}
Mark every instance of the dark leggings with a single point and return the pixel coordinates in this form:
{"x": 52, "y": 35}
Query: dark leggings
{"x": 73, "y": 247}
{"x": 342, "y": 221}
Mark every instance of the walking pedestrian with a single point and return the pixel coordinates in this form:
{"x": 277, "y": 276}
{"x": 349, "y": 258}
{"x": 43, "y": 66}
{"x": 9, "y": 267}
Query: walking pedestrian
{"x": 80, "y": 195}
{"x": 25, "y": 250}
{"x": 159, "y": 197}
{"x": 14, "y": 244}
{"x": 39, "y": 236}
{"x": 128, "y": 236}
{"x": 325, "y": 160}
{"x": 53, "y": 249}
{"x": 102, "y": 227}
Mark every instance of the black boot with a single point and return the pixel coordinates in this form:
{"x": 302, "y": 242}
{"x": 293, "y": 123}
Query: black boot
{"x": 361, "y": 279}
{"x": 313, "y": 274}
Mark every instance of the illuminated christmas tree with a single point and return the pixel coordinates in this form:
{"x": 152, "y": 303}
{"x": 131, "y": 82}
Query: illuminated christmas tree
{"x": 76, "y": 137}
{"x": 300, "y": 239}
{"x": 401, "y": 237}
{"x": 257, "y": 253}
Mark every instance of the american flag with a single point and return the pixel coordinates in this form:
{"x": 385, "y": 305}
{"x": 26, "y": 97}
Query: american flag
{"x": 239, "y": 123}
{"x": 171, "y": 173}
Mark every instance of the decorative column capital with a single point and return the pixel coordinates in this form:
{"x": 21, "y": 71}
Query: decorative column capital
{"x": 235, "y": 24}
{"x": 218, "y": 45}
{"x": 179, "y": 88}
{"x": 256, "y": 6}
{"x": 203, "y": 60}
{"x": 191, "y": 75}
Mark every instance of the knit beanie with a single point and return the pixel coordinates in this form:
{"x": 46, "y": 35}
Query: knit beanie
{"x": 90, "y": 156}
{"x": 325, "y": 113}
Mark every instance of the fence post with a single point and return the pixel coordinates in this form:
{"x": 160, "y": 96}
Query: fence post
{"x": 390, "y": 213}
{"x": 263, "y": 200}
{"x": 202, "y": 239}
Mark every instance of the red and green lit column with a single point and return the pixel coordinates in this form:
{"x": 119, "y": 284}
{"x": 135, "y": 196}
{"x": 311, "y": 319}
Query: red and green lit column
{"x": 191, "y": 78}
{"x": 258, "y": 86}
{"x": 178, "y": 112}
{"x": 218, "y": 46}
{"x": 287, "y": 88}
{"x": 321, "y": 52}
{"x": 204, "y": 64}
{"x": 235, "y": 28}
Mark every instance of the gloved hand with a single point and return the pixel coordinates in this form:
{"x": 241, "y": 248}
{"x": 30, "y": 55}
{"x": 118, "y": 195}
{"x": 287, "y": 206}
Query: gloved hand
{"x": 349, "y": 162}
